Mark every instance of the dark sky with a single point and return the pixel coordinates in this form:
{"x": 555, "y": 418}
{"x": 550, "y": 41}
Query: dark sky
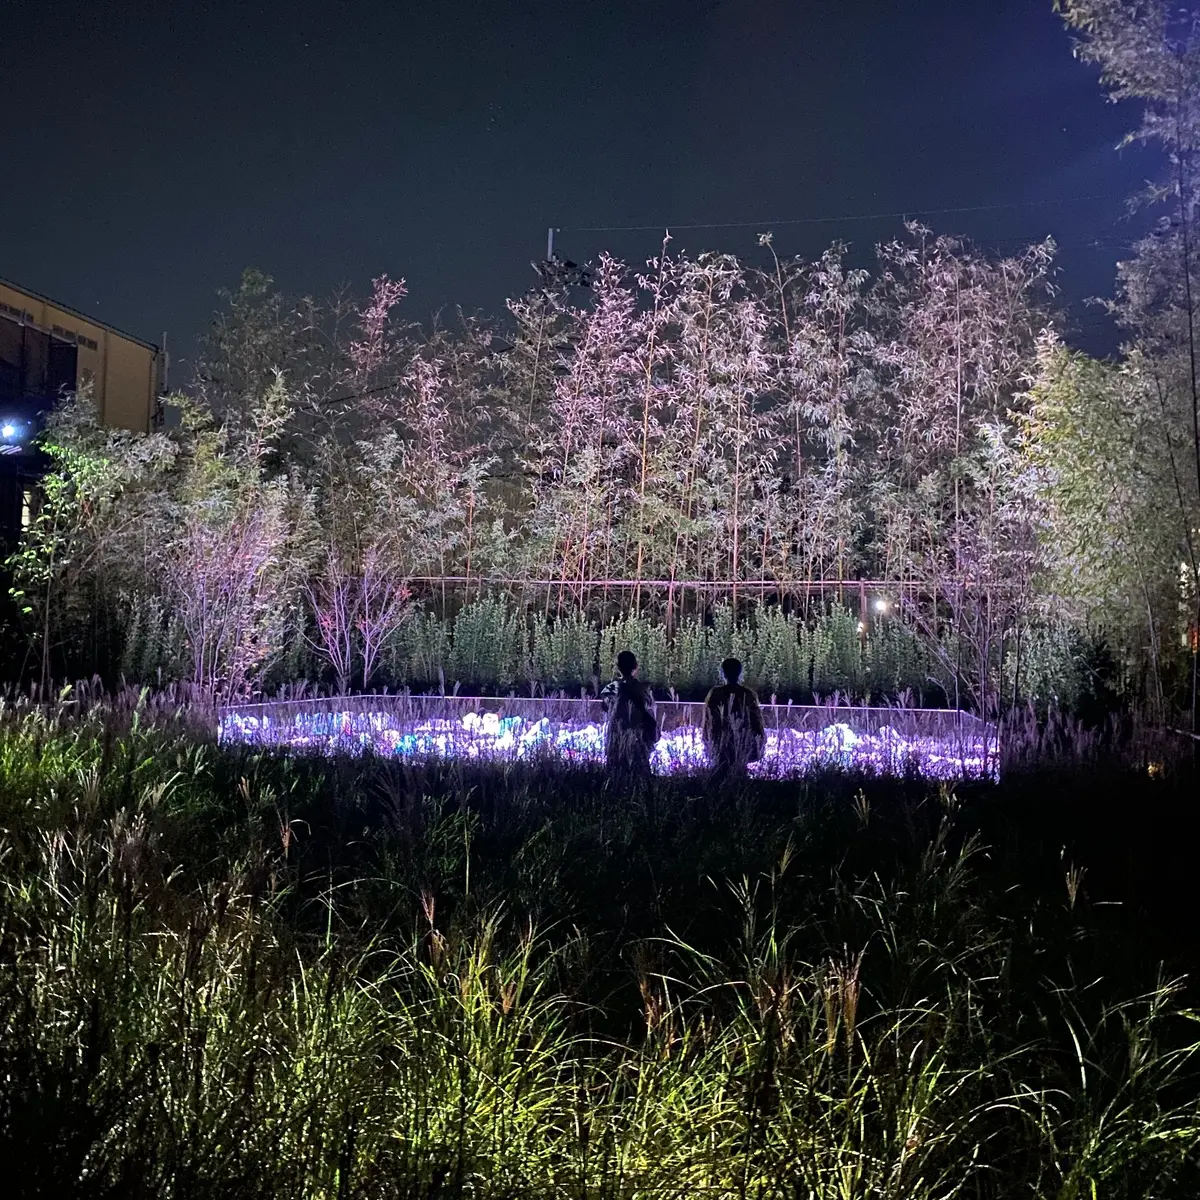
{"x": 151, "y": 151}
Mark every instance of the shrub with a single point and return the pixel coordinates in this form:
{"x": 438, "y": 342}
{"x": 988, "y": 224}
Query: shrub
{"x": 488, "y": 648}
{"x": 837, "y": 653}
{"x": 417, "y": 654}
{"x": 646, "y": 639}
{"x": 775, "y": 663}
{"x": 695, "y": 656}
{"x": 154, "y": 648}
{"x": 563, "y": 651}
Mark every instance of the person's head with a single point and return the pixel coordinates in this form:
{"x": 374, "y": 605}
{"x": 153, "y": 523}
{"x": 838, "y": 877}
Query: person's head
{"x": 731, "y": 668}
{"x": 627, "y": 663}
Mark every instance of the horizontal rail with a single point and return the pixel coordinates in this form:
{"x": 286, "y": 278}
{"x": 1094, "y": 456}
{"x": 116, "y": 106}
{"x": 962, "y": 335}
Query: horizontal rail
{"x": 846, "y": 585}
{"x": 672, "y": 713}
{"x": 361, "y": 698}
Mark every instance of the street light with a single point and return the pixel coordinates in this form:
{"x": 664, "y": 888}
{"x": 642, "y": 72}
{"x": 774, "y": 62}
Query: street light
{"x": 8, "y": 430}
{"x": 881, "y": 605}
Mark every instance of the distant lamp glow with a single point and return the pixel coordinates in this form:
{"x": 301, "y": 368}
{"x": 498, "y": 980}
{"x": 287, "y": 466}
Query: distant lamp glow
{"x": 881, "y": 605}
{"x": 8, "y": 430}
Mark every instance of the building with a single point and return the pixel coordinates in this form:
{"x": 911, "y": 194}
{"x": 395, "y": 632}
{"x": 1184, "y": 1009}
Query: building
{"x": 46, "y": 350}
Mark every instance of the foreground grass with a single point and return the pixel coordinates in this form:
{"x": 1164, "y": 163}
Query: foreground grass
{"x": 225, "y": 974}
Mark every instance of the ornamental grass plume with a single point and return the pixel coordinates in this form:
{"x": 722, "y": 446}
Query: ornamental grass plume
{"x": 230, "y": 973}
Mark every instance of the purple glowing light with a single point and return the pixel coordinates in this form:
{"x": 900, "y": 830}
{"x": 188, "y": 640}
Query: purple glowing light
{"x": 789, "y": 752}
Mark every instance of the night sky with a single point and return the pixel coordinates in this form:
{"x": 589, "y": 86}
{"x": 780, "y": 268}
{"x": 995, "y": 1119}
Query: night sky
{"x": 151, "y": 152}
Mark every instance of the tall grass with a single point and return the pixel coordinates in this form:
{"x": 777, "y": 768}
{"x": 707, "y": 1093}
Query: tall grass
{"x": 234, "y": 975}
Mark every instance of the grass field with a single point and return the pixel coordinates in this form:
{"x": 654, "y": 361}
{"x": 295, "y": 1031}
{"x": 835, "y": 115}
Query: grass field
{"x": 231, "y": 974}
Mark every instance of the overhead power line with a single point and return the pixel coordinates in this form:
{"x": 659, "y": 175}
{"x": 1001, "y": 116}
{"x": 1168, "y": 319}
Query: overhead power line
{"x": 877, "y": 216}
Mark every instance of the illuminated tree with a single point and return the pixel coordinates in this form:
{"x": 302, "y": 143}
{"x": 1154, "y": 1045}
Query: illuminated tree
{"x": 655, "y": 409}
{"x": 823, "y": 378}
{"x": 95, "y": 535}
{"x": 357, "y": 608}
{"x": 259, "y": 331}
{"x": 236, "y": 566}
{"x": 659, "y": 443}
{"x": 1149, "y": 52}
{"x": 705, "y": 290}
{"x": 585, "y": 443}
{"x": 957, "y": 334}
{"x": 1108, "y": 489}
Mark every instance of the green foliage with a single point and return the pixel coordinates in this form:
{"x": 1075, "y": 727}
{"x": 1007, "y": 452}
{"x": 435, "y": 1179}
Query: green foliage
{"x": 240, "y": 975}
{"x": 837, "y": 653}
{"x": 417, "y": 654}
{"x": 488, "y": 648}
{"x": 92, "y": 531}
{"x": 775, "y": 663}
{"x": 697, "y": 649}
{"x": 485, "y": 647}
{"x": 647, "y": 639}
{"x": 1119, "y": 509}
{"x": 1114, "y": 528}
{"x": 896, "y": 660}
{"x": 564, "y": 651}
{"x": 1060, "y": 666}
{"x": 155, "y": 651}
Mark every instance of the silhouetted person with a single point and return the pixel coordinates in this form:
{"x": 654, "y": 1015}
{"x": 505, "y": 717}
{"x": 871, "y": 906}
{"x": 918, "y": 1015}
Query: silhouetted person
{"x": 733, "y": 724}
{"x": 632, "y": 726}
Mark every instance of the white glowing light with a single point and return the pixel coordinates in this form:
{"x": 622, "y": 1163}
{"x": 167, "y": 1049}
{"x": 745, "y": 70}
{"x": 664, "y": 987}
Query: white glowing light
{"x": 881, "y": 605}
{"x": 787, "y": 752}
{"x": 8, "y": 429}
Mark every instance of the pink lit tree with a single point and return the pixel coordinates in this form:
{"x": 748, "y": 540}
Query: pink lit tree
{"x": 957, "y": 334}
{"x": 235, "y": 566}
{"x": 357, "y": 608}
{"x": 374, "y": 346}
{"x": 333, "y": 596}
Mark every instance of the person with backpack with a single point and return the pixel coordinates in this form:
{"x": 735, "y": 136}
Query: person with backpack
{"x": 733, "y": 724}
{"x": 632, "y": 730}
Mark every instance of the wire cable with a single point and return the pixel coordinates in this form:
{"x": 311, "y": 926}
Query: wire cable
{"x": 878, "y": 216}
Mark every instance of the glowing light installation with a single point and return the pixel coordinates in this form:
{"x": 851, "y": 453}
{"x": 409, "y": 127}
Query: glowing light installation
{"x": 935, "y": 745}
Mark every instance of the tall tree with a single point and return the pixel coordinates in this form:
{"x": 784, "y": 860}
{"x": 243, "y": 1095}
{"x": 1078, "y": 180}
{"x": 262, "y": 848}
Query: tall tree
{"x": 1109, "y": 512}
{"x": 957, "y": 332}
{"x": 1148, "y": 51}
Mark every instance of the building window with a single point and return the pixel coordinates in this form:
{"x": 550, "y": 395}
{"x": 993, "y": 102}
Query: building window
{"x": 58, "y": 331}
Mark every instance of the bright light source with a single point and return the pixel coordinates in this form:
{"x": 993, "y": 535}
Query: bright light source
{"x": 8, "y": 430}
{"x": 787, "y": 751}
{"x": 881, "y": 605}
{"x": 861, "y": 627}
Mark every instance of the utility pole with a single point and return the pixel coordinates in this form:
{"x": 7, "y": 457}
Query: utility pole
{"x": 158, "y": 419}
{"x": 550, "y": 242}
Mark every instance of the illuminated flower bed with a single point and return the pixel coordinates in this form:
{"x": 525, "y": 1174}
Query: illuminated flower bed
{"x": 798, "y": 741}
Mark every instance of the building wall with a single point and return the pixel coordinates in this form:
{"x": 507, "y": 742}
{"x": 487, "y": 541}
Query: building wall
{"x": 124, "y": 372}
